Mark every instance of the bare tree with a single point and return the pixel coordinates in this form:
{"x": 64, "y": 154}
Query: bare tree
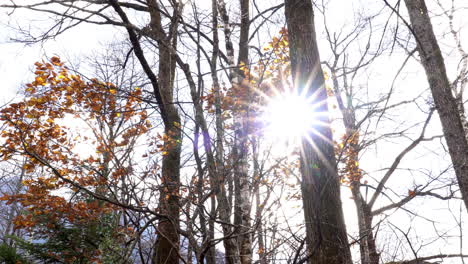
{"x": 445, "y": 102}
{"x": 326, "y": 232}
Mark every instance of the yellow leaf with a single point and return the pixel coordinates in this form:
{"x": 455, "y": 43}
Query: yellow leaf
{"x": 40, "y": 80}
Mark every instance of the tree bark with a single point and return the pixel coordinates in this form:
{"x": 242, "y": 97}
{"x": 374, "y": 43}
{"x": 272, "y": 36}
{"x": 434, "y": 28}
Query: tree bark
{"x": 242, "y": 192}
{"x": 445, "y": 102}
{"x": 325, "y": 228}
{"x": 166, "y": 249}
{"x": 241, "y": 167}
{"x": 367, "y": 246}
{"x": 259, "y": 205}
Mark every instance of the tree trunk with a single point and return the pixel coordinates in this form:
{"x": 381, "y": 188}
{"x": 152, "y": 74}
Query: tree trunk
{"x": 259, "y": 206}
{"x": 240, "y": 153}
{"x": 215, "y": 172}
{"x": 367, "y": 246}
{"x": 326, "y": 231}
{"x": 445, "y": 102}
{"x": 167, "y": 243}
{"x": 241, "y": 168}
{"x": 166, "y": 247}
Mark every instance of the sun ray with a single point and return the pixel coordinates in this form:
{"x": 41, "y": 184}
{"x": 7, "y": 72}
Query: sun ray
{"x": 288, "y": 117}
{"x": 309, "y": 140}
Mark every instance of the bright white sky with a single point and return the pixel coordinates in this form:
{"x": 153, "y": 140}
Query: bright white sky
{"x": 18, "y": 60}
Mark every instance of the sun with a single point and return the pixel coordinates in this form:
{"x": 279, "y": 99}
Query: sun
{"x": 289, "y": 117}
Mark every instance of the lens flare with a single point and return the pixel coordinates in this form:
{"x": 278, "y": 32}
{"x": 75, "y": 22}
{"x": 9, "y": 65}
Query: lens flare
{"x": 289, "y": 117}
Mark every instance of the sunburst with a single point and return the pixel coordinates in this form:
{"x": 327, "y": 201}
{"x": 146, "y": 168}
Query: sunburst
{"x": 289, "y": 117}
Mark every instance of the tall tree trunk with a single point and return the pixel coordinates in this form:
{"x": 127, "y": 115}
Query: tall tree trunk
{"x": 326, "y": 231}
{"x": 240, "y": 154}
{"x": 241, "y": 168}
{"x": 215, "y": 173}
{"x": 224, "y": 204}
{"x": 445, "y": 102}
{"x": 167, "y": 242}
{"x": 200, "y": 194}
{"x": 367, "y": 246}
{"x": 166, "y": 248}
{"x": 259, "y": 205}
{"x": 208, "y": 234}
